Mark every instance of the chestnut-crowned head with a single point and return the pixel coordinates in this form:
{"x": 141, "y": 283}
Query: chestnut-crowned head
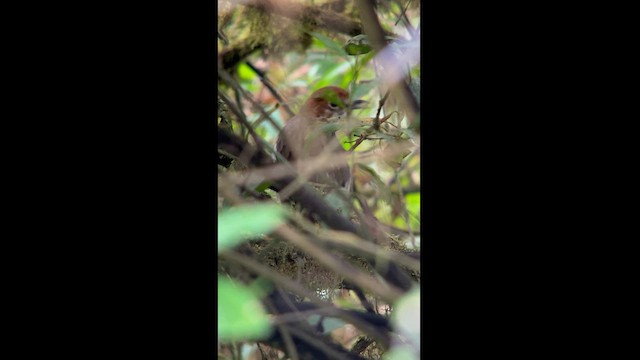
{"x": 329, "y": 103}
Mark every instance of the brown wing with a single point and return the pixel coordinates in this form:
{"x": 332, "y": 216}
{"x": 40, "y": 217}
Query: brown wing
{"x": 292, "y": 135}
{"x": 282, "y": 147}
{"x": 291, "y": 145}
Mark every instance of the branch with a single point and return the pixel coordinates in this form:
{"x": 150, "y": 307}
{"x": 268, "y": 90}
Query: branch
{"x": 266, "y": 82}
{"x": 376, "y": 36}
{"x": 239, "y": 89}
{"x": 348, "y": 271}
{"x": 310, "y": 200}
{"x": 322, "y": 18}
{"x": 231, "y": 57}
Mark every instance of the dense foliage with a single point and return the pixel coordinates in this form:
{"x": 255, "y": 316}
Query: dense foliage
{"x": 306, "y": 272}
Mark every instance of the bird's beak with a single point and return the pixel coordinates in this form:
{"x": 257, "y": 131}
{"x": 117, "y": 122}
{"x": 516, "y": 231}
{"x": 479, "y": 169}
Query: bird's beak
{"x": 359, "y": 104}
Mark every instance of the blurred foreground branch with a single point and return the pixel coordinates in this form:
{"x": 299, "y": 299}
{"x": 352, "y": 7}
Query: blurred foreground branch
{"x": 310, "y": 200}
{"x": 376, "y": 35}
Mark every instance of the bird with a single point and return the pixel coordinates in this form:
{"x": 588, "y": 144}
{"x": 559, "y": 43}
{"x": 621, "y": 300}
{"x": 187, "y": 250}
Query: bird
{"x": 307, "y": 135}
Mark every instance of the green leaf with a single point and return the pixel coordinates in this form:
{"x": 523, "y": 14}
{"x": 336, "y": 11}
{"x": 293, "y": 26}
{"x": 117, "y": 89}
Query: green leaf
{"x": 353, "y": 49}
{"x": 330, "y": 128}
{"x": 376, "y": 177}
{"x": 245, "y": 72}
{"x": 263, "y": 186}
{"x": 345, "y": 142}
{"x": 247, "y": 221}
{"x": 363, "y": 88}
{"x": 328, "y": 43}
{"x": 240, "y": 313}
{"x": 364, "y": 60}
{"x": 347, "y": 79}
{"x": 413, "y": 203}
{"x": 332, "y": 76}
{"x": 358, "y": 45}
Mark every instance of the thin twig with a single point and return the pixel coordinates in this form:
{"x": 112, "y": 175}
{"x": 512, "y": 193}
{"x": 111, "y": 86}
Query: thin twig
{"x": 233, "y": 83}
{"x": 327, "y": 158}
{"x": 323, "y": 346}
{"x": 279, "y": 171}
{"x": 259, "y": 141}
{"x": 349, "y": 240}
{"x": 262, "y": 353}
{"x": 382, "y": 288}
{"x": 223, "y": 37}
{"x": 241, "y": 117}
{"x": 376, "y": 37}
{"x": 376, "y": 122}
{"x": 363, "y": 137}
{"x": 312, "y": 202}
{"x": 286, "y": 337}
{"x": 323, "y": 307}
{"x": 266, "y": 82}
{"x": 273, "y": 275}
{"x": 405, "y": 19}
{"x": 262, "y": 117}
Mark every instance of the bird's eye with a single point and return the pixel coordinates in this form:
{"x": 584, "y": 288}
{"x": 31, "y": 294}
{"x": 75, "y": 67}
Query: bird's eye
{"x": 333, "y": 105}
